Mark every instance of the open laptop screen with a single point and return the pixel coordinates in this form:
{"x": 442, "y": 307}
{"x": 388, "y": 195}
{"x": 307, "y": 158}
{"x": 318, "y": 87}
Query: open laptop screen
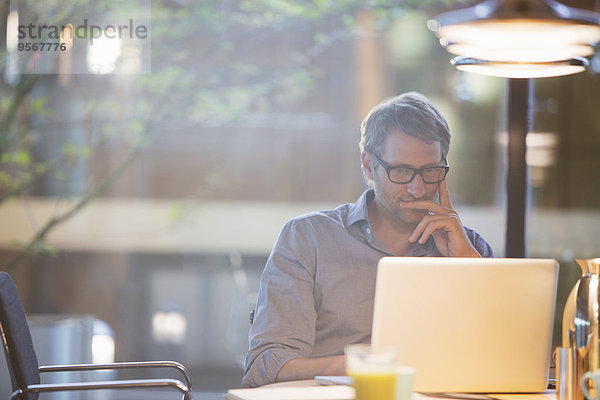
{"x": 468, "y": 324}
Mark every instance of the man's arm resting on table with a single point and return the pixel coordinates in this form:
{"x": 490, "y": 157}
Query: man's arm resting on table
{"x": 308, "y": 368}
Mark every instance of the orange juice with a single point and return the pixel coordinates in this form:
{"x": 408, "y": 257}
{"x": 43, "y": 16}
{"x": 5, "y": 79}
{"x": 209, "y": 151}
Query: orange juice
{"x": 374, "y": 386}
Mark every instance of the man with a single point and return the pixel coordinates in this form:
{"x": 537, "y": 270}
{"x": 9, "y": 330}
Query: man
{"x": 317, "y": 290}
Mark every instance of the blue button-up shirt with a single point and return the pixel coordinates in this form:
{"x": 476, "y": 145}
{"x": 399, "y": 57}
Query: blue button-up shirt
{"x": 317, "y": 289}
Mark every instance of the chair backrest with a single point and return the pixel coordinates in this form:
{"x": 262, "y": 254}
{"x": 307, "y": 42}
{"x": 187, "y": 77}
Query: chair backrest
{"x": 16, "y": 338}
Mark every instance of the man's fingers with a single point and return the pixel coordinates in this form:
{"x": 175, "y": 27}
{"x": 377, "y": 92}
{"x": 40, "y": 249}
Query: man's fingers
{"x": 428, "y": 225}
{"x": 429, "y": 230}
{"x": 444, "y": 194}
{"x": 431, "y": 206}
{"x": 425, "y": 205}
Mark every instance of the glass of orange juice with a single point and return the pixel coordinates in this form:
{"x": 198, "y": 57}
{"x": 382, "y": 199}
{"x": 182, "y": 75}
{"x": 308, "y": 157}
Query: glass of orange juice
{"x": 375, "y": 374}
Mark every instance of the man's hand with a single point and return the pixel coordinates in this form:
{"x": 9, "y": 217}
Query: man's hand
{"x": 443, "y": 224}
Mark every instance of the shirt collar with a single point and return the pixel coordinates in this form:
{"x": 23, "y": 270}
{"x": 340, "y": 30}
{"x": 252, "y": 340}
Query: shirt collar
{"x": 358, "y": 210}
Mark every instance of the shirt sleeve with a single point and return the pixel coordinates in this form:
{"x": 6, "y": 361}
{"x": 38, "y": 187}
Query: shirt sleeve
{"x": 480, "y": 244}
{"x": 285, "y": 317}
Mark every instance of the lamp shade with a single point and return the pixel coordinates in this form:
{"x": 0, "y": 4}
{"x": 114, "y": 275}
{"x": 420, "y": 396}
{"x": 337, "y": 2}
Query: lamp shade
{"x": 520, "y": 70}
{"x": 533, "y": 35}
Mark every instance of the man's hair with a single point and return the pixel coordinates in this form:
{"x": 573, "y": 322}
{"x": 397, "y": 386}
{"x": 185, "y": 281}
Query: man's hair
{"x": 412, "y": 114}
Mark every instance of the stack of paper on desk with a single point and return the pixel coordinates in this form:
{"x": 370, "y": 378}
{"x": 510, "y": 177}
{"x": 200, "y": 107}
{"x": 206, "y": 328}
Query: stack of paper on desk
{"x": 293, "y": 393}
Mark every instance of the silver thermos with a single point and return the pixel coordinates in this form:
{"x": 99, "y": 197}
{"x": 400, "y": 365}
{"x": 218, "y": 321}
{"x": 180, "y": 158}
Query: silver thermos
{"x": 580, "y": 332}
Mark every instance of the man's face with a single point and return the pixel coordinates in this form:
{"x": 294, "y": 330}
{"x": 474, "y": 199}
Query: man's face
{"x": 403, "y": 150}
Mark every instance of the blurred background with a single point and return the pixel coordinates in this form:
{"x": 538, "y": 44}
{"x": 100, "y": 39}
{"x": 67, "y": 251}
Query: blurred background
{"x": 143, "y": 185}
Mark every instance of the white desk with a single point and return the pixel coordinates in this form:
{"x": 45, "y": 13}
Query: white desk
{"x": 308, "y": 390}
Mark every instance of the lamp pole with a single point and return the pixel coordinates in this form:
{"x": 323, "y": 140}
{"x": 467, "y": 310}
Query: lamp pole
{"x": 519, "y": 122}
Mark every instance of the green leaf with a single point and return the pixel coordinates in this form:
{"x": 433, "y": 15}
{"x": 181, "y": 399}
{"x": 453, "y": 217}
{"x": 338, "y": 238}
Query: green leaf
{"x": 6, "y": 181}
{"x": 69, "y": 150}
{"x": 37, "y": 105}
{"x": 85, "y": 151}
{"x": 60, "y": 176}
{"x": 5, "y": 104}
{"x": 40, "y": 168}
{"x": 21, "y": 157}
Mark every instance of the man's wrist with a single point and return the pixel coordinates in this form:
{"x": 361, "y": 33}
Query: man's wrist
{"x": 308, "y": 368}
{"x": 337, "y": 366}
{"x": 472, "y": 252}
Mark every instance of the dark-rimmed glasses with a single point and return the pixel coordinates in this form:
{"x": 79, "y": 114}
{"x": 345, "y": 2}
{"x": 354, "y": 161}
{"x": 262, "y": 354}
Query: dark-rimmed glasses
{"x": 407, "y": 174}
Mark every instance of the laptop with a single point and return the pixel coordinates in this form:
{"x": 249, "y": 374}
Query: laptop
{"x": 468, "y": 324}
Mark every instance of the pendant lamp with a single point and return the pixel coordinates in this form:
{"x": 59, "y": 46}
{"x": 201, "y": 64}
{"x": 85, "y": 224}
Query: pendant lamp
{"x": 519, "y": 38}
{"x": 503, "y": 69}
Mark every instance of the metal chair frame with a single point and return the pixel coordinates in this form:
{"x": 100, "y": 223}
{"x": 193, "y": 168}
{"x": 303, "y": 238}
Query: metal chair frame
{"x": 184, "y": 387}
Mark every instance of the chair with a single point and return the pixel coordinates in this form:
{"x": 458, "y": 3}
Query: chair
{"x": 25, "y": 371}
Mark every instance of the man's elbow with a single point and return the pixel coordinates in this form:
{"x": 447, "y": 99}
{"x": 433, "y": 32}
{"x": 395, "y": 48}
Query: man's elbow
{"x": 248, "y": 382}
{"x": 254, "y": 378}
